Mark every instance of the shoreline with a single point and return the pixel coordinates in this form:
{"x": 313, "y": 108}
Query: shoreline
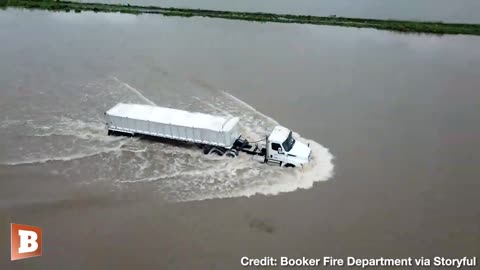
{"x": 438, "y": 28}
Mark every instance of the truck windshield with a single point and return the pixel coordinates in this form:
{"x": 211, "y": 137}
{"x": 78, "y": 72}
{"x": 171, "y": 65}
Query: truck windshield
{"x": 289, "y": 142}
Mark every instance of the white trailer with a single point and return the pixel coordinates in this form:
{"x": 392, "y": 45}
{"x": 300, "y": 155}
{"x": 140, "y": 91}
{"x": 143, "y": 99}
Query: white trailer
{"x": 215, "y": 134}
{"x": 173, "y": 124}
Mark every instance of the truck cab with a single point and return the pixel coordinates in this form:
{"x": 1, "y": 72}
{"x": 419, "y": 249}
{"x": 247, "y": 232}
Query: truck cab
{"x": 284, "y": 150}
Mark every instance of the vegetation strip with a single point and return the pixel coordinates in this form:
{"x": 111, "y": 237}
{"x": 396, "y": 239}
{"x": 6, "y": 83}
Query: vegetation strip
{"x": 392, "y": 25}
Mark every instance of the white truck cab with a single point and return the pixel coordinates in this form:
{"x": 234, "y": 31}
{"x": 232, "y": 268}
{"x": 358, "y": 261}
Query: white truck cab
{"x": 284, "y": 150}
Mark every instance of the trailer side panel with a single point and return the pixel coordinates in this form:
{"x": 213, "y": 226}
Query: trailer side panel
{"x": 173, "y": 124}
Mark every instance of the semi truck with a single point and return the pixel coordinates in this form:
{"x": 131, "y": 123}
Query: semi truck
{"x": 217, "y": 135}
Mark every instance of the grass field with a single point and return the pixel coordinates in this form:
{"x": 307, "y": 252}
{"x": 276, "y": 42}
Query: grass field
{"x": 392, "y": 25}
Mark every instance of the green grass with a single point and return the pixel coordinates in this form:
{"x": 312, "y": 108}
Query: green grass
{"x": 391, "y": 25}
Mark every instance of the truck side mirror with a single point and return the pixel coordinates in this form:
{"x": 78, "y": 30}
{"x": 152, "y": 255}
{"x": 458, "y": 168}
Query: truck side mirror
{"x": 280, "y": 150}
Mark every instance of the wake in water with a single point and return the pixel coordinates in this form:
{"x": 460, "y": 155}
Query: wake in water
{"x": 187, "y": 174}
{"x": 129, "y": 87}
{"x": 76, "y": 142}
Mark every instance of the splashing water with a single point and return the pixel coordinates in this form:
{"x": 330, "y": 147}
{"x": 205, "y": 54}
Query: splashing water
{"x": 76, "y": 142}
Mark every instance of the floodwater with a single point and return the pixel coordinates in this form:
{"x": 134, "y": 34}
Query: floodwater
{"x": 460, "y": 11}
{"x": 393, "y": 120}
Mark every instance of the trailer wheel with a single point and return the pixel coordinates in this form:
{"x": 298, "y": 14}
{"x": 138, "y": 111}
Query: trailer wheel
{"x": 231, "y": 153}
{"x": 217, "y": 151}
{"x": 289, "y": 165}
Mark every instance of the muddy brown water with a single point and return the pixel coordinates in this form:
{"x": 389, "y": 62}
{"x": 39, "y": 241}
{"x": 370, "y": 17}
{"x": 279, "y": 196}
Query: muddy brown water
{"x": 460, "y": 11}
{"x": 398, "y": 113}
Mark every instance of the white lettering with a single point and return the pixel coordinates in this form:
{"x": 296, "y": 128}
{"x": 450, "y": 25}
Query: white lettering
{"x": 28, "y": 241}
{"x": 458, "y": 263}
{"x": 266, "y": 261}
{"x": 330, "y": 261}
{"x": 363, "y": 263}
{"x": 285, "y": 261}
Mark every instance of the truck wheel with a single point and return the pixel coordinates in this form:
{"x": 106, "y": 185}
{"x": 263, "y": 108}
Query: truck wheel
{"x": 217, "y": 151}
{"x": 289, "y": 165}
{"x": 206, "y": 149}
{"x": 231, "y": 153}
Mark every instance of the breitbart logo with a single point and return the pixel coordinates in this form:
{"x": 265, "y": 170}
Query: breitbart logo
{"x": 26, "y": 241}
